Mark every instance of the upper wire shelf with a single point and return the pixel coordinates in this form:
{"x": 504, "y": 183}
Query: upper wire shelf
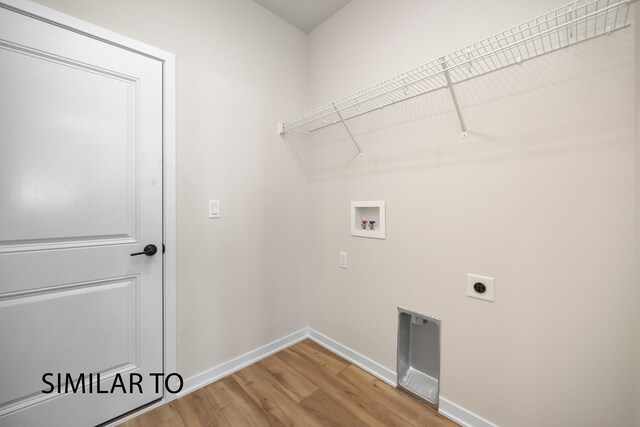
{"x": 565, "y": 26}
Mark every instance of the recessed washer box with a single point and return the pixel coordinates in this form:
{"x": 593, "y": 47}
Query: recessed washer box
{"x": 368, "y": 219}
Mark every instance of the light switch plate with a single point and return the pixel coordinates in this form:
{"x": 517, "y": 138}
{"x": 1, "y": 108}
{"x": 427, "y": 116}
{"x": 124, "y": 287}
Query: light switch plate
{"x": 214, "y": 208}
{"x": 488, "y": 294}
{"x": 344, "y": 260}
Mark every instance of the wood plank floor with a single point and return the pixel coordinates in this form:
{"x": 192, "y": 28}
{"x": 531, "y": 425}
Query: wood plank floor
{"x": 303, "y": 385}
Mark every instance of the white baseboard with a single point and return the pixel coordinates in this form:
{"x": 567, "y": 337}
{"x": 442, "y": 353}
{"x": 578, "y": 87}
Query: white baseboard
{"x": 363, "y": 362}
{"x": 449, "y": 409}
{"x": 462, "y": 416}
{"x": 214, "y": 374}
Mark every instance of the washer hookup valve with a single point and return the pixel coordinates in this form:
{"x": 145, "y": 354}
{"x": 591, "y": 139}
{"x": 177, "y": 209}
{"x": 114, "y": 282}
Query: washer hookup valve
{"x": 371, "y": 225}
{"x": 364, "y": 224}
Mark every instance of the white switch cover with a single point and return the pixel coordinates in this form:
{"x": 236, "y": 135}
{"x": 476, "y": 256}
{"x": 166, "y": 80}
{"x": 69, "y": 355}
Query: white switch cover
{"x": 344, "y": 261}
{"x": 489, "y": 289}
{"x": 214, "y": 208}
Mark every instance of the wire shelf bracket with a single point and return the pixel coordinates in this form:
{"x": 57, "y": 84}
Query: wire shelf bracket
{"x": 565, "y": 26}
{"x": 447, "y": 77}
{"x": 353, "y": 139}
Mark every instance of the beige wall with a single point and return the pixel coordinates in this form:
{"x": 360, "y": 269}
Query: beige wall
{"x": 637, "y": 213}
{"x": 240, "y": 69}
{"x": 540, "y": 196}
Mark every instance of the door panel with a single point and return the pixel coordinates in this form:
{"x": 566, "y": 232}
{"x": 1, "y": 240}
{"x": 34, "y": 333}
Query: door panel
{"x": 42, "y": 319}
{"x": 49, "y": 116}
{"x": 80, "y": 190}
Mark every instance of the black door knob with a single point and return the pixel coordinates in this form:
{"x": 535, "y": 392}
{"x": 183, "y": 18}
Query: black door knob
{"x": 148, "y": 251}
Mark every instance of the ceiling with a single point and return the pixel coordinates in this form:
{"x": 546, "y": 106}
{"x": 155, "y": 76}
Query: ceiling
{"x": 304, "y": 14}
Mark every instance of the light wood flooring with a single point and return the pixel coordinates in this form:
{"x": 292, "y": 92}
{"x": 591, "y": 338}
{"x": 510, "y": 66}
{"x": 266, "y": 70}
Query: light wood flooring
{"x": 303, "y": 385}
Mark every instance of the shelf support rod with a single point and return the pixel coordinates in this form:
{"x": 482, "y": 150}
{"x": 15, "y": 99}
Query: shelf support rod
{"x": 347, "y": 128}
{"x": 447, "y": 76}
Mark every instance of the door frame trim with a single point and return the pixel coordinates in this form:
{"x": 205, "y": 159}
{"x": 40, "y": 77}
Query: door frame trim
{"x": 37, "y": 11}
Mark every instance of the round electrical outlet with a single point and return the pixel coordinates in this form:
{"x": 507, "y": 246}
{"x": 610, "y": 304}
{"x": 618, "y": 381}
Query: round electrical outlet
{"x": 480, "y": 288}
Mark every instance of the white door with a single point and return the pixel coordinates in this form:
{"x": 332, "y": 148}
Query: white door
{"x": 80, "y": 190}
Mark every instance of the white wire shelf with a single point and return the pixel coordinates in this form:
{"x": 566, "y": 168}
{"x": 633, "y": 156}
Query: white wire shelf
{"x": 565, "y": 26}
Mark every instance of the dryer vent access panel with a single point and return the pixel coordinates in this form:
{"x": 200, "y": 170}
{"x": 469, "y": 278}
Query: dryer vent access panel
{"x": 419, "y": 356}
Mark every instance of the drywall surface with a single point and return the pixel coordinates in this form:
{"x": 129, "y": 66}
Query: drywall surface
{"x": 240, "y": 69}
{"x": 540, "y": 196}
{"x": 637, "y": 157}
